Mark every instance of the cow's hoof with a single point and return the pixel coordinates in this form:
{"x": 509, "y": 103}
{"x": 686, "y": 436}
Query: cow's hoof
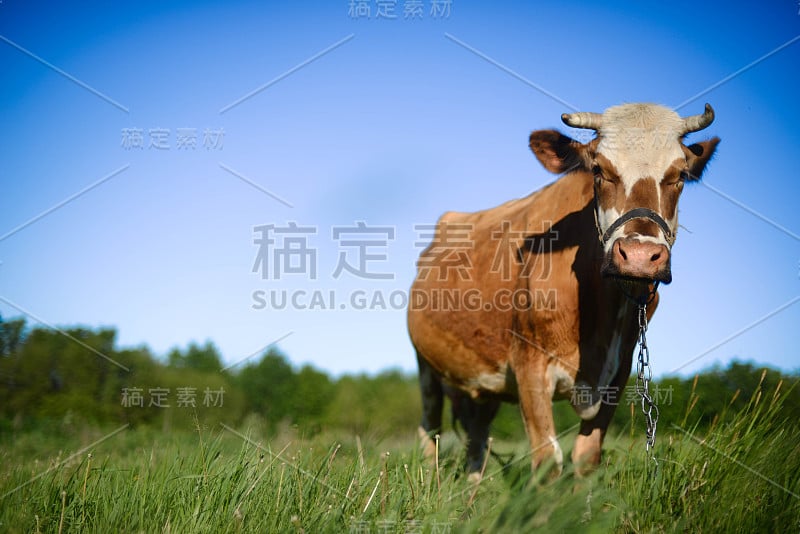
{"x": 474, "y": 478}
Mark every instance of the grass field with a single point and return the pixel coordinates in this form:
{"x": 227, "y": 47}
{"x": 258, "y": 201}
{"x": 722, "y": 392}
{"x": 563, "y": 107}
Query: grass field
{"x": 741, "y": 476}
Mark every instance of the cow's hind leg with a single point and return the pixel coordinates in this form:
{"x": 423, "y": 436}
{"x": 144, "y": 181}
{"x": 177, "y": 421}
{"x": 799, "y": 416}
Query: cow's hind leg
{"x": 476, "y": 418}
{"x": 432, "y": 401}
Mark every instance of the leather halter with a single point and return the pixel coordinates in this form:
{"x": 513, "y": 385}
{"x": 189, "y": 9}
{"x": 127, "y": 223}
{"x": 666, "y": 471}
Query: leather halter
{"x": 635, "y": 213}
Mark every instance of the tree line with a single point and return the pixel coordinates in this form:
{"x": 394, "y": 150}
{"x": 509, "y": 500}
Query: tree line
{"x": 78, "y": 376}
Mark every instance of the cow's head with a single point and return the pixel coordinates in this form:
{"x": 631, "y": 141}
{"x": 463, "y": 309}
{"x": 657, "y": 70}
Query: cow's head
{"x": 640, "y": 165}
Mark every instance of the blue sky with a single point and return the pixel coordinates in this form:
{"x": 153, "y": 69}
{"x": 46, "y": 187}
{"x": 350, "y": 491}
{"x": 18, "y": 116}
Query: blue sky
{"x": 398, "y": 121}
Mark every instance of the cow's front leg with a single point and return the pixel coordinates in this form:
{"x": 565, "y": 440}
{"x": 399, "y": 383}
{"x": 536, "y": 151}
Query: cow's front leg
{"x": 586, "y": 454}
{"x": 588, "y": 446}
{"x": 535, "y": 400}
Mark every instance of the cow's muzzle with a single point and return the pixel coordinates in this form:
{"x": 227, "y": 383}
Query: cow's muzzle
{"x": 640, "y": 260}
{"x": 636, "y": 259}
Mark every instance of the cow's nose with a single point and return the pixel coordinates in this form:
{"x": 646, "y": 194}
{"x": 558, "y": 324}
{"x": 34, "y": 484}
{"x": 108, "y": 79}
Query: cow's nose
{"x": 641, "y": 259}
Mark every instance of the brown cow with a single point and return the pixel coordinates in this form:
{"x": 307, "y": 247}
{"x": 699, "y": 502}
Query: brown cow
{"x": 523, "y": 302}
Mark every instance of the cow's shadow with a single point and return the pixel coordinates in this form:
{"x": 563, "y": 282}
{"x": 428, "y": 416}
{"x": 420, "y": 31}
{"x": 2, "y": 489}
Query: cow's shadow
{"x": 578, "y": 229}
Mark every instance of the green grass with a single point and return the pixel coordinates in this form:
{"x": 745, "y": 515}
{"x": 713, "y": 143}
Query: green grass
{"x": 743, "y": 475}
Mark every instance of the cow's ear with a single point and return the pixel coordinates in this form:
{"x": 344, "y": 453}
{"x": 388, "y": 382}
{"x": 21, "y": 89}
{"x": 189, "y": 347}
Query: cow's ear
{"x": 698, "y": 156}
{"x": 557, "y": 152}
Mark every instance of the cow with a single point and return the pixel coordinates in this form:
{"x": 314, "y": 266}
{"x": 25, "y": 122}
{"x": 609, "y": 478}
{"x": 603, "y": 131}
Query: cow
{"x": 537, "y": 299}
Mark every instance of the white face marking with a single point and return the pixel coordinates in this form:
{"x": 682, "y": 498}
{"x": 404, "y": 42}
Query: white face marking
{"x": 641, "y": 141}
{"x": 606, "y": 218}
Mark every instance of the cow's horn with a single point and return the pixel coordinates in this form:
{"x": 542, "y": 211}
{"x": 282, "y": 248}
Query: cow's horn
{"x": 696, "y": 123}
{"x": 583, "y": 119}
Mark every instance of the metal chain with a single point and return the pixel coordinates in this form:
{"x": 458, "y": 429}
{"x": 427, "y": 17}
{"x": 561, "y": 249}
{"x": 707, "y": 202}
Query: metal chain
{"x": 644, "y": 375}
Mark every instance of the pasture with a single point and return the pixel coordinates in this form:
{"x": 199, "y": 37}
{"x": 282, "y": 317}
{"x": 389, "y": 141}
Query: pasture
{"x": 740, "y": 475}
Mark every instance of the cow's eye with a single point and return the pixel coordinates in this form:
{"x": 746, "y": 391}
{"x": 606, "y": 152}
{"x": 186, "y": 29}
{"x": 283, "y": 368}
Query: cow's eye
{"x": 676, "y": 181}
{"x": 600, "y": 176}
